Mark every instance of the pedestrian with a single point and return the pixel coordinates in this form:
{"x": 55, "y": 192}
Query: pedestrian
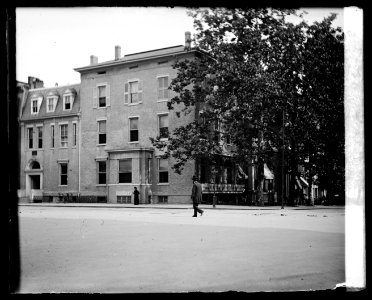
{"x": 196, "y": 196}
{"x": 136, "y": 196}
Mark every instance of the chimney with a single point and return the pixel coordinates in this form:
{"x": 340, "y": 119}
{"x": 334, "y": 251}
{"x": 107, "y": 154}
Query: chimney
{"x": 117, "y": 52}
{"x": 35, "y": 83}
{"x": 93, "y": 60}
{"x": 187, "y": 40}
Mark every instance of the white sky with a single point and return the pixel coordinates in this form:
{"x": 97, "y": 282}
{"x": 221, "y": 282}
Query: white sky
{"x": 51, "y": 42}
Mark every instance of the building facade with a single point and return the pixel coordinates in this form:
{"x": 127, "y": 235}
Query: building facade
{"x": 90, "y": 142}
{"x": 49, "y": 142}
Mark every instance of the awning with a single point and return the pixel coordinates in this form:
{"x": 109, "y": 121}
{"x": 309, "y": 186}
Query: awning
{"x": 298, "y": 183}
{"x": 267, "y": 173}
{"x": 241, "y": 173}
{"x": 304, "y": 182}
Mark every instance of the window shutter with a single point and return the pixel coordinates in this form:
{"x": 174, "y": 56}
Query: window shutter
{"x": 107, "y": 95}
{"x": 95, "y": 97}
{"x": 126, "y": 93}
{"x": 140, "y": 91}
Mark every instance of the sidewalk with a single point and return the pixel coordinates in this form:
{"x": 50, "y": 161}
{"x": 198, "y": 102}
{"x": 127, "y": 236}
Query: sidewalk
{"x": 181, "y": 206}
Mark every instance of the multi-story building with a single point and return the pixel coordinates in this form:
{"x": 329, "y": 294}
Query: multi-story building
{"x": 49, "y": 135}
{"x": 124, "y": 103}
{"x": 92, "y": 140}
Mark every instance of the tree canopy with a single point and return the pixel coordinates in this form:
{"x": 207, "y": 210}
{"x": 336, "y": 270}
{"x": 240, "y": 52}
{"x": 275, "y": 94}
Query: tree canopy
{"x": 258, "y": 74}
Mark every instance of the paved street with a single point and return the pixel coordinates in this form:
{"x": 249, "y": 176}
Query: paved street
{"x": 147, "y": 250}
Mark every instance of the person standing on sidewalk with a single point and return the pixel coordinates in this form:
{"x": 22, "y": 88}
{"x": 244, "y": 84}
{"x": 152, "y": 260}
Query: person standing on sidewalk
{"x": 196, "y": 196}
{"x": 136, "y": 196}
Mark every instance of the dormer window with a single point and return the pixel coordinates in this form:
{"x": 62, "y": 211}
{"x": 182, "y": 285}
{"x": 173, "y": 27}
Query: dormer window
{"x": 67, "y": 103}
{"x": 52, "y": 99}
{"x": 68, "y": 99}
{"x": 35, "y": 104}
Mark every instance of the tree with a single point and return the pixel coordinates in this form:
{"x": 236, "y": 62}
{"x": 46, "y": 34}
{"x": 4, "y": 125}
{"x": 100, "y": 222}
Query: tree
{"x": 254, "y": 68}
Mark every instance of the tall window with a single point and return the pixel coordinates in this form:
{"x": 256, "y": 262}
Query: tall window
{"x": 74, "y": 132}
{"x": 67, "y": 102}
{"x": 34, "y": 106}
{"x": 133, "y": 92}
{"x": 40, "y": 137}
{"x": 102, "y": 96}
{"x": 51, "y": 104}
{"x": 30, "y": 137}
{"x": 101, "y": 132}
{"x": 125, "y": 170}
{"x": 63, "y": 173}
{"x": 52, "y": 136}
{"x": 163, "y": 170}
{"x": 101, "y": 172}
{"x": 163, "y": 126}
{"x": 133, "y": 129}
{"x": 163, "y": 92}
{"x": 64, "y": 135}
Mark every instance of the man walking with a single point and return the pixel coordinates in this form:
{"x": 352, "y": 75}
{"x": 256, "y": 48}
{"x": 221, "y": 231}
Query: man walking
{"x": 196, "y": 196}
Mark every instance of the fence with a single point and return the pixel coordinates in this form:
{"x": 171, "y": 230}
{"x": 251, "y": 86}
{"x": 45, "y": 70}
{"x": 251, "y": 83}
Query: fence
{"x": 70, "y": 198}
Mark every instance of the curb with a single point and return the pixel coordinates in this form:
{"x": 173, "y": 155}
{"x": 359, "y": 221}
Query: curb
{"x": 208, "y": 206}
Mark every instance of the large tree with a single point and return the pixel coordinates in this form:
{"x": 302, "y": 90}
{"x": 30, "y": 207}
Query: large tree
{"x": 257, "y": 74}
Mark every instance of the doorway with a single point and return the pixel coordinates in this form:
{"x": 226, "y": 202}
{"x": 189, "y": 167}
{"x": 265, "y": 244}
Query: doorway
{"x": 35, "y": 182}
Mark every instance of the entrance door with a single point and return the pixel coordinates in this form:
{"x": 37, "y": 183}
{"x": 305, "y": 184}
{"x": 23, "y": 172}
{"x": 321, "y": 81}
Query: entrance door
{"x": 35, "y": 182}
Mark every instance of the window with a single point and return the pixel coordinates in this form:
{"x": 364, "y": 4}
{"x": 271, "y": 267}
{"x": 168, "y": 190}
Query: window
{"x": 36, "y": 100}
{"x": 133, "y": 129}
{"x": 102, "y": 96}
{"x": 74, "y": 134}
{"x": 68, "y": 99}
{"x": 124, "y": 199}
{"x": 101, "y": 132}
{"x": 40, "y": 137}
{"x": 64, "y": 135}
{"x": 52, "y": 136}
{"x": 163, "y": 170}
{"x": 30, "y": 137}
{"x": 67, "y": 103}
{"x": 163, "y": 92}
{"x": 101, "y": 172}
{"x": 125, "y": 170}
{"x": 34, "y": 107}
{"x": 63, "y": 173}
{"x": 163, "y": 126}
{"x": 133, "y": 92}
{"x": 163, "y": 199}
{"x": 51, "y": 104}
{"x": 148, "y": 170}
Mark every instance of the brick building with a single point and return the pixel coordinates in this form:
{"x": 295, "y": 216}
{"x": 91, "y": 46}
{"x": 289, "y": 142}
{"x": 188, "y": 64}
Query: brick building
{"x": 124, "y": 103}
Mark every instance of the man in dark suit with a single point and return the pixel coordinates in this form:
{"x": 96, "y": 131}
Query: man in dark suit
{"x": 196, "y": 196}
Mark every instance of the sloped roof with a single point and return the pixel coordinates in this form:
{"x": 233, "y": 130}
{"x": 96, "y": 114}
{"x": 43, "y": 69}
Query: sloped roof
{"x": 47, "y": 92}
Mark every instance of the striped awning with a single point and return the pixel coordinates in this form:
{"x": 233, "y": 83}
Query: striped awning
{"x": 267, "y": 172}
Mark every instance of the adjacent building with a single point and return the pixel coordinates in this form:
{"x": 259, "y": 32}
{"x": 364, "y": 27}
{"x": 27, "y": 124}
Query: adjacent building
{"x": 49, "y": 141}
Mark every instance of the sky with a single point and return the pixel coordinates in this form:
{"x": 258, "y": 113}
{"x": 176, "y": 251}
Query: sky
{"x": 51, "y": 42}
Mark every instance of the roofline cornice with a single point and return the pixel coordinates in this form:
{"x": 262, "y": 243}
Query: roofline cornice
{"x": 122, "y": 62}
{"x": 50, "y": 117}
